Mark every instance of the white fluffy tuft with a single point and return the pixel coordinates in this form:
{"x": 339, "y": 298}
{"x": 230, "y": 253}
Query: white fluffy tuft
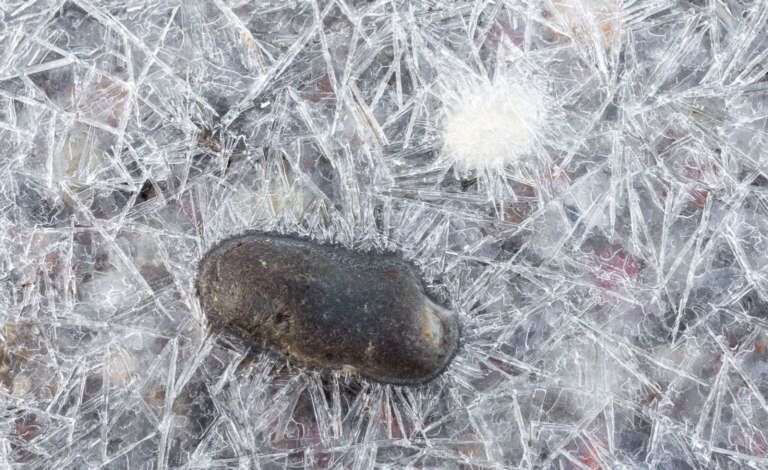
{"x": 493, "y": 125}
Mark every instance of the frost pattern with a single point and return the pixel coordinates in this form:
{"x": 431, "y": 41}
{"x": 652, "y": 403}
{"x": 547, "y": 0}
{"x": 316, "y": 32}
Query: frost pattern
{"x": 583, "y": 182}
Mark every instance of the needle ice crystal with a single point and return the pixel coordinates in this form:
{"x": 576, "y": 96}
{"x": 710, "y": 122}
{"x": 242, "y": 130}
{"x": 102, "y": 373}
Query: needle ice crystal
{"x": 329, "y": 307}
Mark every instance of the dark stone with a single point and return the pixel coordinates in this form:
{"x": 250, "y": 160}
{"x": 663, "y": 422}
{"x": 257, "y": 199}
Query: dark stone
{"x": 329, "y": 307}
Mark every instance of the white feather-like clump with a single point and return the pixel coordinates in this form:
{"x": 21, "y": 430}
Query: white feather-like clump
{"x": 493, "y": 124}
{"x": 585, "y": 19}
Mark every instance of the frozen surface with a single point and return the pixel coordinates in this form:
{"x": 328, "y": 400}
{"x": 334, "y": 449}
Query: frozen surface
{"x": 584, "y": 182}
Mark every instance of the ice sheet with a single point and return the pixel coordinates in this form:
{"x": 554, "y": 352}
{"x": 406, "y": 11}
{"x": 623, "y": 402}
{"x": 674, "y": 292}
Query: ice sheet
{"x": 583, "y": 181}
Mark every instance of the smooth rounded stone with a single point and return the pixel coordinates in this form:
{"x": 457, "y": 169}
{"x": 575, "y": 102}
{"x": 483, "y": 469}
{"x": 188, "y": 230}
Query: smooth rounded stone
{"x": 329, "y": 307}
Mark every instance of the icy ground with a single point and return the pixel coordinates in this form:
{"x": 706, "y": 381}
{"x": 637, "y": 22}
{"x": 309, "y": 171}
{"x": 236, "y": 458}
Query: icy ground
{"x": 584, "y": 181}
